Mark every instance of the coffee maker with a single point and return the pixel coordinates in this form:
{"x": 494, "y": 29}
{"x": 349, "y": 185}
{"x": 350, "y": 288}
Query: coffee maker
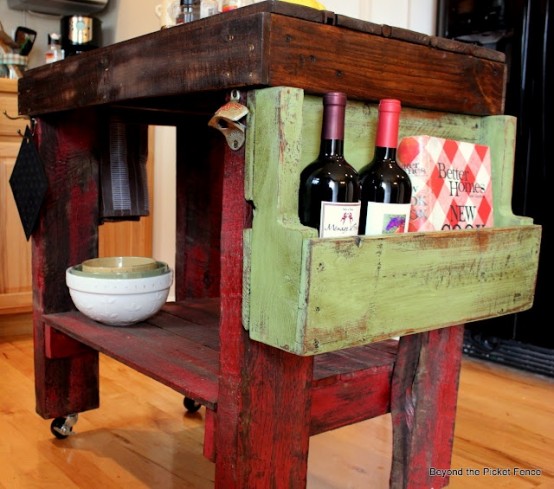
{"x": 80, "y": 33}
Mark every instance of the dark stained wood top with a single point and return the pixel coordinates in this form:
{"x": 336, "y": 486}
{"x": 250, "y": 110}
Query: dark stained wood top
{"x": 270, "y": 44}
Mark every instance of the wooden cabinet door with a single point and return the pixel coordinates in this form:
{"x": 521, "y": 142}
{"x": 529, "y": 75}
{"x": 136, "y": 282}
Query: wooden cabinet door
{"x": 15, "y": 250}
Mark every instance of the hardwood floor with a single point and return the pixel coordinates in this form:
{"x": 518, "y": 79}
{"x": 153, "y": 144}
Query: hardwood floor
{"x": 141, "y": 438}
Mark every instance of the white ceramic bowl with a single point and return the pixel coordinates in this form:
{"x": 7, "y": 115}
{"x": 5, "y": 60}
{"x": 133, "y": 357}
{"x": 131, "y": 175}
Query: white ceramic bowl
{"x": 118, "y": 302}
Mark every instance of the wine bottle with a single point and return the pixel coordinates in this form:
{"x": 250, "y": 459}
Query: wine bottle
{"x": 386, "y": 189}
{"x": 329, "y": 194}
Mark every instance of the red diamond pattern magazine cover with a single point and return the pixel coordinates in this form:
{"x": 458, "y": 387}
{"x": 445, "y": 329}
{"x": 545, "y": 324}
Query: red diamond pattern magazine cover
{"x": 451, "y": 183}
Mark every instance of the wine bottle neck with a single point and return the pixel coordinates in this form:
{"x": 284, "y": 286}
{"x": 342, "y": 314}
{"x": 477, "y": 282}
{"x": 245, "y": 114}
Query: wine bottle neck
{"x": 334, "y": 106}
{"x": 384, "y": 153}
{"x": 387, "y": 125}
{"x": 331, "y": 147}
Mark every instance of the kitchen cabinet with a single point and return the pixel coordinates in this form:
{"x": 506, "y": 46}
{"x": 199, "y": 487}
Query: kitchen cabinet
{"x": 15, "y": 251}
{"x": 242, "y": 337}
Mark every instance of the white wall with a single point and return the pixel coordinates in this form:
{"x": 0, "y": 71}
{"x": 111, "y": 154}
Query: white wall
{"x": 417, "y": 15}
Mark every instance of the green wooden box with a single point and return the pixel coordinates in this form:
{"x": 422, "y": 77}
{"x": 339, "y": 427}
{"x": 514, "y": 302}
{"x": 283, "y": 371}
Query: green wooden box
{"x": 309, "y": 295}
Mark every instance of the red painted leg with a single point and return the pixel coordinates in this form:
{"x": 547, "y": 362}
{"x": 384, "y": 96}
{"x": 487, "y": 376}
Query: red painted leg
{"x": 423, "y": 406}
{"x": 263, "y": 421}
{"x": 70, "y": 384}
{"x": 263, "y": 412}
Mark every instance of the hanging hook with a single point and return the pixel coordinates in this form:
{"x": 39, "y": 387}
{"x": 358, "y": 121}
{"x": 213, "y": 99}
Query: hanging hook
{"x": 18, "y": 117}
{"x": 14, "y": 117}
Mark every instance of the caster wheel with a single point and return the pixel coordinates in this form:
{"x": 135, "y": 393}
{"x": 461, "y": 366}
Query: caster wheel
{"x": 191, "y": 405}
{"x": 61, "y": 427}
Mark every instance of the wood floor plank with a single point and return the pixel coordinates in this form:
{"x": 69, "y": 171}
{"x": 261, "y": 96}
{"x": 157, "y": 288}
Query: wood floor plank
{"x": 140, "y": 437}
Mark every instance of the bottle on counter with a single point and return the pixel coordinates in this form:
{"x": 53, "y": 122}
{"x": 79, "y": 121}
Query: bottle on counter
{"x": 55, "y": 51}
{"x": 386, "y": 189}
{"x": 187, "y": 11}
{"x": 329, "y": 193}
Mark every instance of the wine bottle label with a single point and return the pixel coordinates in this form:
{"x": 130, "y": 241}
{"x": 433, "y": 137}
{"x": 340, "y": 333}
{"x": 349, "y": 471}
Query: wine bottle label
{"x": 387, "y": 218}
{"x": 339, "y": 219}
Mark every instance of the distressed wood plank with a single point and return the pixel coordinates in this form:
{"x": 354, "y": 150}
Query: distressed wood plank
{"x": 424, "y": 394}
{"x": 413, "y": 283}
{"x": 351, "y": 385}
{"x": 66, "y": 234}
{"x": 264, "y": 392}
{"x": 198, "y": 208}
{"x": 270, "y": 44}
{"x": 178, "y": 360}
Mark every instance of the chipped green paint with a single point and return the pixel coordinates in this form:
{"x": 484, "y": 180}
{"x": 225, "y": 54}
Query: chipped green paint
{"x": 308, "y": 295}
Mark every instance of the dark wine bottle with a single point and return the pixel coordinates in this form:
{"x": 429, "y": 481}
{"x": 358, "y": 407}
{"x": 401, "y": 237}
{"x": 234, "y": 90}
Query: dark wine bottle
{"x": 329, "y": 194}
{"x": 386, "y": 189}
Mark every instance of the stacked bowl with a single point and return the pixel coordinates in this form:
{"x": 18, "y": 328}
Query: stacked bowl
{"x": 119, "y": 290}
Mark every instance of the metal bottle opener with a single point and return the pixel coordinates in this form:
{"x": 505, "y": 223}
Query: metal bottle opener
{"x": 226, "y": 120}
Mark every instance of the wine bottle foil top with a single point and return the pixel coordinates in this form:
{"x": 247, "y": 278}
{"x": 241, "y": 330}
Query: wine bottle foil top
{"x": 389, "y": 105}
{"x": 334, "y": 98}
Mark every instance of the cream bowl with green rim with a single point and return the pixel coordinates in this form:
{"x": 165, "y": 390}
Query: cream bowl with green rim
{"x": 118, "y": 301}
{"x": 161, "y": 268}
{"x": 119, "y": 264}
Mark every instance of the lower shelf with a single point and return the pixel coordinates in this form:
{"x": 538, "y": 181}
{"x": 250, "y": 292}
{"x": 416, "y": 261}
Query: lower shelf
{"x": 179, "y": 347}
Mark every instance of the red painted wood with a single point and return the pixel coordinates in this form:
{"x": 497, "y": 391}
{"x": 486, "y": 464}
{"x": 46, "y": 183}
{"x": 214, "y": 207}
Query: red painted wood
{"x": 209, "y": 434}
{"x": 263, "y": 412}
{"x": 351, "y": 385}
{"x": 58, "y": 345}
{"x": 66, "y": 235}
{"x": 163, "y": 348}
{"x": 423, "y": 406}
{"x": 199, "y": 181}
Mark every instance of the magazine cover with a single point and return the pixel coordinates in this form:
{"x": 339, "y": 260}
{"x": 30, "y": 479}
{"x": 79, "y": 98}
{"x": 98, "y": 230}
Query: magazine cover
{"x": 451, "y": 183}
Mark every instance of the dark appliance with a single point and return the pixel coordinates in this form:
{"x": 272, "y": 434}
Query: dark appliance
{"x": 524, "y": 30}
{"x": 80, "y": 33}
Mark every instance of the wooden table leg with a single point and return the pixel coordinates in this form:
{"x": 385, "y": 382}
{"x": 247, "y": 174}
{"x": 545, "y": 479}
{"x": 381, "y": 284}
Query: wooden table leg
{"x": 423, "y": 406}
{"x": 263, "y": 411}
{"x": 66, "y": 235}
{"x": 263, "y": 421}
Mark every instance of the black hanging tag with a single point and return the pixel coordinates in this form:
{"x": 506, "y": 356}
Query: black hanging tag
{"x": 29, "y": 183}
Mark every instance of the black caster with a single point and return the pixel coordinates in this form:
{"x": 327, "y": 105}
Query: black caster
{"x": 191, "y": 405}
{"x": 62, "y": 427}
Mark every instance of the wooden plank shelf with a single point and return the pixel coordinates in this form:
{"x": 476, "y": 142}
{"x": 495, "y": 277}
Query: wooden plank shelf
{"x": 179, "y": 347}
